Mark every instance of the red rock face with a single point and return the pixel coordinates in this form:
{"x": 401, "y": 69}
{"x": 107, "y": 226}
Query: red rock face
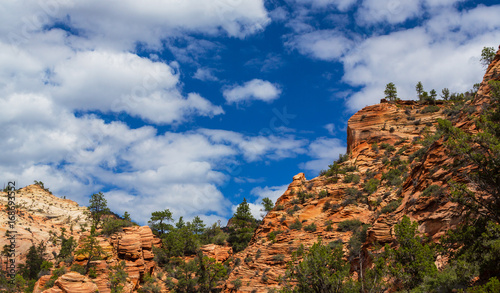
{"x": 217, "y": 252}
{"x": 397, "y": 124}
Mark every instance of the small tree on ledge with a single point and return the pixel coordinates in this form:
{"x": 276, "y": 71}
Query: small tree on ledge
{"x": 391, "y": 92}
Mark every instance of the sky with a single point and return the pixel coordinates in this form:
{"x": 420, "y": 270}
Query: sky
{"x": 193, "y": 105}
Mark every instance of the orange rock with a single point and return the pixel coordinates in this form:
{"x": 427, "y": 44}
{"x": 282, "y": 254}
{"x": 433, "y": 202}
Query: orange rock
{"x": 217, "y": 252}
{"x": 73, "y": 282}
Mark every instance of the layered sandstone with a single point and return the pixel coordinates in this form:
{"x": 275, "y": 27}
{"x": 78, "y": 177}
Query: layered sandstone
{"x": 402, "y": 125}
{"x": 41, "y": 217}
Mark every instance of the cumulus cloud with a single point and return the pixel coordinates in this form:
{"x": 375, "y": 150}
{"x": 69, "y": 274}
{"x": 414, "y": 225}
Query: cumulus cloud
{"x": 121, "y": 24}
{"x": 255, "y": 89}
{"x": 321, "y": 44}
{"x": 389, "y": 11}
{"x": 443, "y": 52}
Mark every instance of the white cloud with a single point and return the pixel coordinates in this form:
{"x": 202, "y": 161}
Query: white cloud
{"x": 205, "y": 74}
{"x": 324, "y": 151}
{"x": 330, "y": 127}
{"x": 443, "y": 52}
{"x": 390, "y": 11}
{"x": 255, "y": 148}
{"x": 121, "y": 24}
{"x": 342, "y": 5}
{"x": 255, "y": 89}
{"x": 321, "y": 44}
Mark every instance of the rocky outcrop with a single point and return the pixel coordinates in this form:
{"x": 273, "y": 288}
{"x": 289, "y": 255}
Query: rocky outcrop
{"x": 217, "y": 252}
{"x": 134, "y": 246}
{"x": 41, "y": 217}
{"x": 380, "y": 138}
{"x": 73, "y": 282}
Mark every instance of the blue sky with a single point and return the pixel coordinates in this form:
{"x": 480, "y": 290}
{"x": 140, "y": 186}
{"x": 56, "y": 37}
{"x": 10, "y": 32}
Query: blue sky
{"x": 192, "y": 105}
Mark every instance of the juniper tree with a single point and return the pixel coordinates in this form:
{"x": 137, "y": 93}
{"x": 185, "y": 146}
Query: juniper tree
{"x": 390, "y": 92}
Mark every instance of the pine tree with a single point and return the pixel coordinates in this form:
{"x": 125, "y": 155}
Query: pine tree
{"x": 420, "y": 90}
{"x": 158, "y": 222}
{"x": 98, "y": 206}
{"x": 268, "y": 204}
{"x": 412, "y": 261}
{"x": 487, "y": 56}
{"x": 390, "y": 92}
{"x": 243, "y": 226}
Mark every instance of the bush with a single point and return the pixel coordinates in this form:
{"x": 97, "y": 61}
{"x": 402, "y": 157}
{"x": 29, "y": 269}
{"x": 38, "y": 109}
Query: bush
{"x": 323, "y": 268}
{"x": 391, "y": 207}
{"x": 112, "y": 226}
{"x": 349, "y": 225}
{"x": 297, "y": 225}
{"x": 371, "y": 186}
{"x": 350, "y": 168}
{"x": 310, "y": 228}
{"x": 302, "y": 196}
{"x": 393, "y": 177}
{"x": 354, "y": 178}
{"x": 322, "y": 194}
{"x": 433, "y": 190}
{"x": 78, "y": 268}
{"x": 348, "y": 201}
{"x": 278, "y": 257}
{"x": 430, "y": 109}
{"x": 353, "y": 192}
{"x": 293, "y": 210}
{"x": 272, "y": 235}
{"x": 279, "y": 207}
{"x": 326, "y": 206}
{"x": 375, "y": 147}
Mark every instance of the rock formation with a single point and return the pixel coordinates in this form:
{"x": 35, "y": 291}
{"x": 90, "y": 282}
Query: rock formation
{"x": 380, "y": 139}
{"x": 40, "y": 217}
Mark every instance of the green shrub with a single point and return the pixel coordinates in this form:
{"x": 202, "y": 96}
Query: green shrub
{"x": 354, "y": 178}
{"x": 393, "y": 177}
{"x": 391, "y": 207}
{"x": 375, "y": 147}
{"x": 371, "y": 186}
{"x": 348, "y": 201}
{"x": 302, "y": 196}
{"x": 297, "y": 225}
{"x": 111, "y": 226}
{"x": 78, "y": 268}
{"x": 433, "y": 190}
{"x": 310, "y": 228}
{"x": 292, "y": 210}
{"x": 322, "y": 194}
{"x": 272, "y": 235}
{"x": 430, "y": 109}
{"x": 353, "y": 192}
{"x": 349, "y": 225}
{"x": 279, "y": 207}
{"x": 278, "y": 257}
{"x": 326, "y": 206}
{"x": 350, "y": 168}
